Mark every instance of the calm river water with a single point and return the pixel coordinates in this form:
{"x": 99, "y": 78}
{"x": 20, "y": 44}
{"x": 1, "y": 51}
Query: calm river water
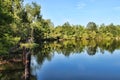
{"x": 72, "y": 61}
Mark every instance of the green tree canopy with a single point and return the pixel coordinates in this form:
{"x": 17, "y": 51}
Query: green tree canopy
{"x": 91, "y": 26}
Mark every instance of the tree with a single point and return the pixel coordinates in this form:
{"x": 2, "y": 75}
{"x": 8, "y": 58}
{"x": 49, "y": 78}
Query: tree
{"x": 9, "y": 18}
{"x": 92, "y": 26}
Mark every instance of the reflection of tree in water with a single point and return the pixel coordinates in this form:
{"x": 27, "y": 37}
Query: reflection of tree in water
{"x": 16, "y": 66}
{"x": 114, "y": 45}
{"x": 11, "y": 74}
{"x": 67, "y": 49}
{"x": 92, "y": 48}
{"x": 110, "y": 46}
{"x": 11, "y": 71}
{"x": 45, "y": 50}
{"x": 70, "y": 47}
{"x": 41, "y": 53}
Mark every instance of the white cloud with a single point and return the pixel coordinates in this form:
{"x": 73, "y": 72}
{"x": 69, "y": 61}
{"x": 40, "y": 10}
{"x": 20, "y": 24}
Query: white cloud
{"x": 81, "y": 5}
{"x": 117, "y": 8}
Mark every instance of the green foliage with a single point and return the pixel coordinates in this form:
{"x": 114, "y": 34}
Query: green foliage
{"x": 19, "y": 24}
{"x": 28, "y": 45}
{"x": 91, "y": 26}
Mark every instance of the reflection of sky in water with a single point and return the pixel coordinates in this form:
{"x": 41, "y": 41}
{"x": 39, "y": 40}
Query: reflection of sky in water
{"x": 79, "y": 67}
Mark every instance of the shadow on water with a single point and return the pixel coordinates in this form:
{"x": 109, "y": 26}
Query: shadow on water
{"x": 19, "y": 66}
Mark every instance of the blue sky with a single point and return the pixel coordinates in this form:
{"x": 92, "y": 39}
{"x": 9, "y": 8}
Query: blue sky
{"x": 80, "y": 11}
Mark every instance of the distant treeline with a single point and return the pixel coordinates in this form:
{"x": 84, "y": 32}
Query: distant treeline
{"x": 91, "y": 31}
{"x": 21, "y": 23}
